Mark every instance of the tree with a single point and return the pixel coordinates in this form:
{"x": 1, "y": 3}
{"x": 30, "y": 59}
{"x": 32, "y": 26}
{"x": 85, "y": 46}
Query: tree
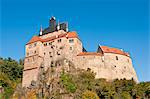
{"x": 89, "y": 95}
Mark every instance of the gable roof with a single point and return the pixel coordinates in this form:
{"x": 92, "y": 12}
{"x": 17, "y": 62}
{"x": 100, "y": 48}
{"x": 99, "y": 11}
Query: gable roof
{"x": 34, "y": 39}
{"x": 67, "y": 35}
{"x": 89, "y": 53}
{"x": 72, "y": 35}
{"x": 107, "y": 49}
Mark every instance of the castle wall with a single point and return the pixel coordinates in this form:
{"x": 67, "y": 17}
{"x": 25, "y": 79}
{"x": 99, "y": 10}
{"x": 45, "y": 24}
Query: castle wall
{"x": 106, "y": 65}
{"x": 28, "y": 76}
{"x": 93, "y": 62}
{"x": 120, "y": 66}
{"x": 55, "y": 50}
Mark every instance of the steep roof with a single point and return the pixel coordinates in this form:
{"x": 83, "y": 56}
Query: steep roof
{"x": 89, "y": 53}
{"x": 107, "y": 49}
{"x": 72, "y": 35}
{"x": 67, "y": 35}
{"x": 34, "y": 39}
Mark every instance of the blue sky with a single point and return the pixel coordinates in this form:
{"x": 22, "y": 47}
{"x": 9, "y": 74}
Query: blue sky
{"x": 116, "y": 23}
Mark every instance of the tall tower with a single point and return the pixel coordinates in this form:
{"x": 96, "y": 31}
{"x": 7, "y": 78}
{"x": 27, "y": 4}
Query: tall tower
{"x": 33, "y": 60}
{"x": 52, "y": 24}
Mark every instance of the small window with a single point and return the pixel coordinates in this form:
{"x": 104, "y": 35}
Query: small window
{"x": 116, "y": 57}
{"x": 71, "y": 40}
{"x": 61, "y": 47}
{"x": 27, "y": 54}
{"x": 128, "y": 60}
{"x": 30, "y": 46}
{"x": 44, "y": 53}
{"x": 114, "y": 66}
{"x": 49, "y": 52}
{"x": 34, "y": 52}
{"x": 58, "y": 53}
{"x": 59, "y": 40}
{"x": 71, "y": 48}
{"x": 35, "y": 44}
{"x": 50, "y": 43}
{"x": 45, "y": 44}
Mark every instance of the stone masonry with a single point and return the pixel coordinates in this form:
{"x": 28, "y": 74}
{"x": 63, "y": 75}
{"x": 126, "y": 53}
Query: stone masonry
{"x": 56, "y": 43}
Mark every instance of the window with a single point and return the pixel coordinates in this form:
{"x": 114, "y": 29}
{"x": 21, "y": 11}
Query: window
{"x": 50, "y": 43}
{"x": 35, "y": 44}
{"x": 114, "y": 66}
{"x": 44, "y": 53}
{"x": 61, "y": 47}
{"x": 34, "y": 52}
{"x": 59, "y": 40}
{"x": 45, "y": 44}
{"x": 30, "y": 46}
{"x": 116, "y": 57}
{"x": 128, "y": 60}
{"x": 71, "y": 40}
{"x": 27, "y": 54}
{"x": 58, "y": 53}
{"x": 71, "y": 48}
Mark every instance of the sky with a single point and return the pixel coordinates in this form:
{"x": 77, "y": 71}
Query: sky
{"x": 116, "y": 23}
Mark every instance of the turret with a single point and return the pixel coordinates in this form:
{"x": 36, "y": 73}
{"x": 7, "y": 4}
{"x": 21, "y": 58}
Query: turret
{"x": 52, "y": 24}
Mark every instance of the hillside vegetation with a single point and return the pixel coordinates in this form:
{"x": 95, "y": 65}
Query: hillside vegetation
{"x": 72, "y": 84}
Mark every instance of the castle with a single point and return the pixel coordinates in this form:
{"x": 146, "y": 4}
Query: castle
{"x": 57, "y": 42}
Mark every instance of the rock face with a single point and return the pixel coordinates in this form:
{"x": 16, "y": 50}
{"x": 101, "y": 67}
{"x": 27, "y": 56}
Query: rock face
{"x": 47, "y": 48}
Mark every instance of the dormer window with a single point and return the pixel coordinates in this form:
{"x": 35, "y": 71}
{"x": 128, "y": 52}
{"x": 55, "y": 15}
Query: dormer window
{"x": 71, "y": 40}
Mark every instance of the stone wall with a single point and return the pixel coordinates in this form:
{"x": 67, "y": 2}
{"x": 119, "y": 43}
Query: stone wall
{"x": 120, "y": 66}
{"x": 107, "y": 65}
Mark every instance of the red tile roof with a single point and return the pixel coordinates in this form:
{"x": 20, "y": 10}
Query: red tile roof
{"x": 68, "y": 35}
{"x": 89, "y": 53}
{"x": 34, "y": 39}
{"x": 107, "y": 49}
{"x": 72, "y": 35}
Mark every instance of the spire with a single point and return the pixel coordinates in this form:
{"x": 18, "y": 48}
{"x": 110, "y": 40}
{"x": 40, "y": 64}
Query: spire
{"x": 67, "y": 27}
{"x": 41, "y": 30}
{"x": 58, "y": 26}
